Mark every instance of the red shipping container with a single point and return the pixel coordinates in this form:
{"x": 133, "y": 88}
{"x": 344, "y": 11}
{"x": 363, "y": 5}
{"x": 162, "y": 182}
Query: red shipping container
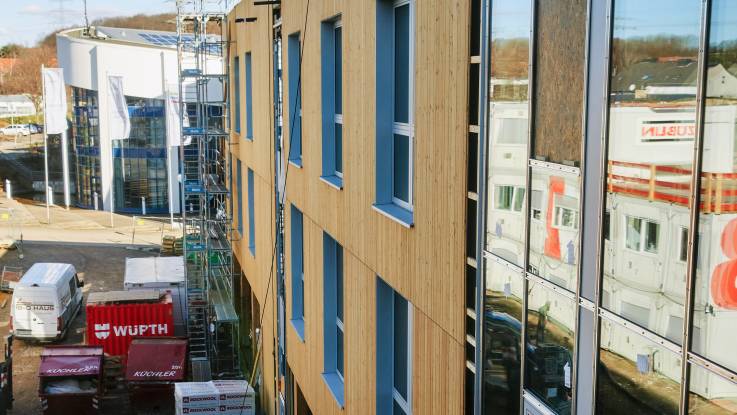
{"x": 114, "y": 318}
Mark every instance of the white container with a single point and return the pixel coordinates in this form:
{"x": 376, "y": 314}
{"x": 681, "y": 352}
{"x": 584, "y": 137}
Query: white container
{"x": 165, "y": 274}
{"x": 196, "y": 398}
{"x": 235, "y": 397}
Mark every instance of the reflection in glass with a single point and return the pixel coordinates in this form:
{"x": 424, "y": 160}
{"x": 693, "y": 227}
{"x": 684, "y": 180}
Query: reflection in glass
{"x": 715, "y": 302}
{"x": 554, "y": 221}
{"x": 551, "y": 320}
{"x": 710, "y": 394}
{"x": 652, "y": 125}
{"x": 85, "y": 147}
{"x": 559, "y": 80}
{"x": 508, "y": 129}
{"x": 502, "y": 339}
{"x": 635, "y": 375}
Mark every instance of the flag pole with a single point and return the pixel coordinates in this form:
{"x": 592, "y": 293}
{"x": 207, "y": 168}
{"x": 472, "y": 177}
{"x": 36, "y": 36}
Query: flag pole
{"x": 46, "y": 150}
{"x": 112, "y": 154}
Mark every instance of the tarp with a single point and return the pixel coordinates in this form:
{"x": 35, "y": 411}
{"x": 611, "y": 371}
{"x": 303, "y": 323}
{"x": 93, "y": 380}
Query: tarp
{"x": 71, "y": 361}
{"x": 55, "y": 105}
{"x": 156, "y": 359}
{"x": 120, "y": 123}
{"x": 154, "y": 272}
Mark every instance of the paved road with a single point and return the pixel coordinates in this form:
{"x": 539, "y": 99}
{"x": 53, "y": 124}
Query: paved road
{"x": 103, "y": 267}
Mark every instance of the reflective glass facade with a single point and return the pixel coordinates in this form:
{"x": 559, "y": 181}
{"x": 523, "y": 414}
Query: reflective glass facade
{"x": 139, "y": 162}
{"x": 86, "y": 147}
{"x": 609, "y": 215}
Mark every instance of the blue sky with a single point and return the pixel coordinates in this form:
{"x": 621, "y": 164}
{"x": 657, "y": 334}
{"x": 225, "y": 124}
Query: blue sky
{"x": 27, "y": 21}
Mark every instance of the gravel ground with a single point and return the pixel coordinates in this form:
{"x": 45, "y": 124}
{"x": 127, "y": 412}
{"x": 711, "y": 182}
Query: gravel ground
{"x": 102, "y": 267}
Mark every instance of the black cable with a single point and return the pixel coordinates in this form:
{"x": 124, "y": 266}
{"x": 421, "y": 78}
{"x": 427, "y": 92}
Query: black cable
{"x": 281, "y": 202}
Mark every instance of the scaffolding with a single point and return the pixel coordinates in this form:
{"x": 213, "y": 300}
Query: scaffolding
{"x": 208, "y": 227}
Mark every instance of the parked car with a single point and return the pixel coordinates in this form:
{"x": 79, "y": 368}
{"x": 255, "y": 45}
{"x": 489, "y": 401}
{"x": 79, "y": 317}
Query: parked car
{"x": 33, "y": 128}
{"x": 45, "y": 302}
{"x": 16, "y": 129}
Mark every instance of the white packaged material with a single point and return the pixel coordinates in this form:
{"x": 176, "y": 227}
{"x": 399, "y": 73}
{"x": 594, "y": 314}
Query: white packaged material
{"x": 165, "y": 274}
{"x": 234, "y": 392}
{"x": 196, "y": 398}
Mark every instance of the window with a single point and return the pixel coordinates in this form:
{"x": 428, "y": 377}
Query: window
{"x": 395, "y": 109}
{"x": 394, "y": 351}
{"x": 683, "y": 244}
{"x": 642, "y": 235}
{"x": 566, "y": 218}
{"x": 606, "y": 226}
{"x": 295, "y": 98}
{"x": 332, "y": 102}
{"x": 298, "y": 271}
{"x": 239, "y": 194}
{"x": 537, "y": 205}
{"x": 251, "y": 216}
{"x": 333, "y": 329}
{"x": 249, "y": 98}
{"x": 237, "y": 91}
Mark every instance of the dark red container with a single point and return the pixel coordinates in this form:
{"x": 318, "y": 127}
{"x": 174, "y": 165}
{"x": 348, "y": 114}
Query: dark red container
{"x": 115, "y": 318}
{"x": 70, "y": 380}
{"x": 154, "y": 364}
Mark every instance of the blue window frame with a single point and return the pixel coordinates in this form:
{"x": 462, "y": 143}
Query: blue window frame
{"x": 239, "y": 193}
{"x": 331, "y": 38}
{"x": 334, "y": 331}
{"x": 249, "y": 97}
{"x": 251, "y": 215}
{"x": 393, "y": 351}
{"x": 395, "y": 109}
{"x": 295, "y": 98}
{"x": 298, "y": 271}
{"x": 237, "y": 91}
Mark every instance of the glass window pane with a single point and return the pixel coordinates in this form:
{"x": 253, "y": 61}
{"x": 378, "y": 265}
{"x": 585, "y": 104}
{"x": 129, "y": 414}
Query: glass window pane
{"x": 502, "y": 339}
{"x": 551, "y": 320}
{"x": 650, "y": 153}
{"x": 633, "y": 366}
{"x": 715, "y": 301}
{"x": 508, "y": 126}
{"x": 339, "y": 70}
{"x": 339, "y": 280}
{"x": 558, "y": 99}
{"x": 401, "y": 63}
{"x": 340, "y": 350}
{"x": 339, "y": 147}
{"x": 400, "y": 345}
{"x": 710, "y": 394}
{"x": 398, "y": 409}
{"x": 554, "y": 237}
{"x": 401, "y": 167}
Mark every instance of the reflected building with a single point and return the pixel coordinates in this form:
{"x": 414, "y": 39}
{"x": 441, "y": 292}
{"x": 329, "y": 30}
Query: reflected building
{"x": 609, "y": 242}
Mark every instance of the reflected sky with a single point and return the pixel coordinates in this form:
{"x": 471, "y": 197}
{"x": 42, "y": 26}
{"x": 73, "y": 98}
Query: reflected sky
{"x": 510, "y": 19}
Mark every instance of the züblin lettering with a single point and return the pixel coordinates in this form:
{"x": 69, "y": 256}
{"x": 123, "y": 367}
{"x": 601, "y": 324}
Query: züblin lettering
{"x": 669, "y": 131}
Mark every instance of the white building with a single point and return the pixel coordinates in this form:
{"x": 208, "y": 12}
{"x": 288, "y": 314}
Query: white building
{"x": 16, "y": 106}
{"x": 143, "y": 166}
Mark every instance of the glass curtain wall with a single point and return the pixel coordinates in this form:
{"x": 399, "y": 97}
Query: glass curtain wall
{"x": 86, "y": 148}
{"x": 667, "y": 302}
{"x": 534, "y": 140}
{"x": 140, "y": 161}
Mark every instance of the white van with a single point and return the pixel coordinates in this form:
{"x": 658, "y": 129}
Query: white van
{"x": 45, "y": 302}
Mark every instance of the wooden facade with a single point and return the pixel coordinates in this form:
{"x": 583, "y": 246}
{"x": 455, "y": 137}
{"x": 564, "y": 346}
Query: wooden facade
{"x": 424, "y": 263}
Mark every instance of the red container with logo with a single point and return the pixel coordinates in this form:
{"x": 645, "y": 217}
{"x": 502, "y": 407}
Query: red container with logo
{"x": 70, "y": 380}
{"x": 114, "y": 318}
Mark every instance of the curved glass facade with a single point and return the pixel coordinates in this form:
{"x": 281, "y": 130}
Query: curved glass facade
{"x": 139, "y": 162}
{"x": 86, "y": 148}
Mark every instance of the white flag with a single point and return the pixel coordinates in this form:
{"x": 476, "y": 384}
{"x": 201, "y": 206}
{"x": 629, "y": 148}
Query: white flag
{"x": 120, "y": 123}
{"x": 173, "y": 126}
{"x": 55, "y": 101}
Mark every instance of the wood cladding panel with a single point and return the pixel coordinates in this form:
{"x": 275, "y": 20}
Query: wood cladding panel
{"x": 559, "y": 79}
